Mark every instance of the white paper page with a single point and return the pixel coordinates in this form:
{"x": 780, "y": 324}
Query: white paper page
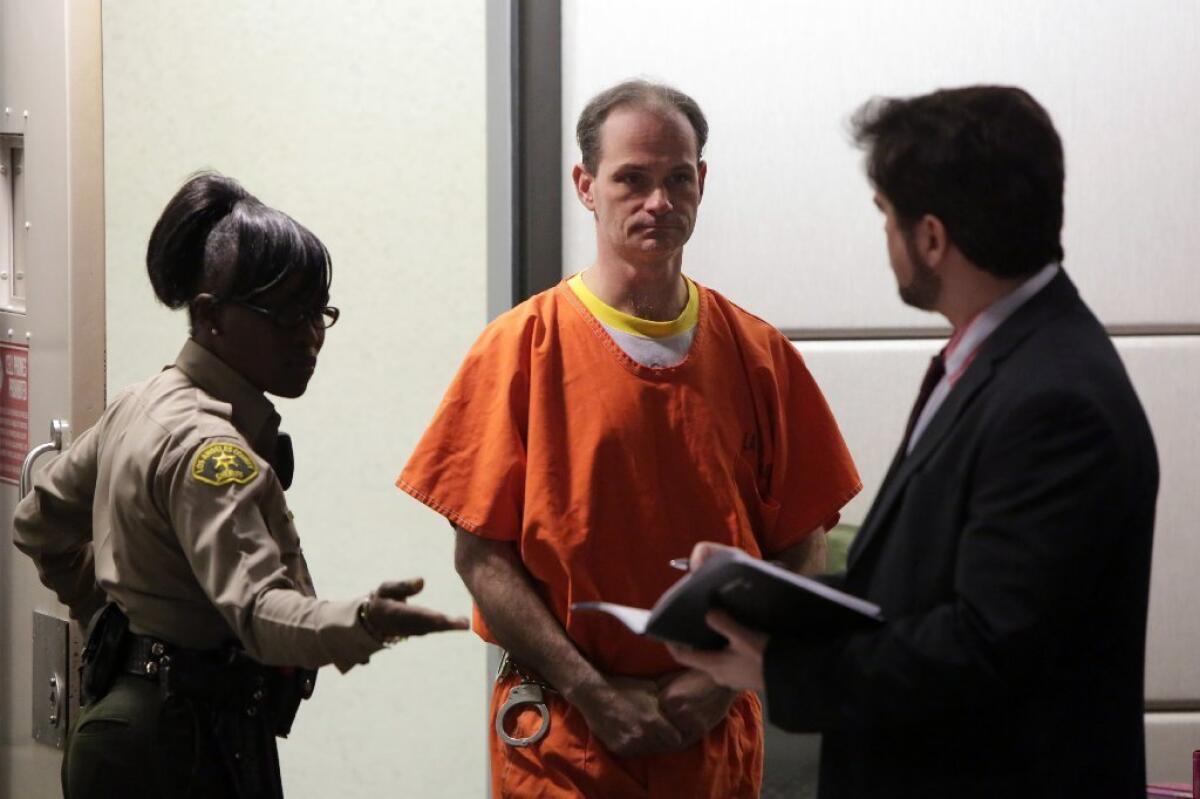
{"x": 633, "y": 618}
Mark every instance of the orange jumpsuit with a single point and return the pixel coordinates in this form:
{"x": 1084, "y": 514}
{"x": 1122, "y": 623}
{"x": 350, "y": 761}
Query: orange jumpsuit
{"x": 601, "y": 470}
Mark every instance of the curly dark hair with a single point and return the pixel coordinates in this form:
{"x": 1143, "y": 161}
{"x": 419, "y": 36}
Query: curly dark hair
{"x": 985, "y": 160}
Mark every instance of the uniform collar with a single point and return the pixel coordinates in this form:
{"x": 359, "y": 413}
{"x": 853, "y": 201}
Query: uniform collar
{"x": 253, "y": 414}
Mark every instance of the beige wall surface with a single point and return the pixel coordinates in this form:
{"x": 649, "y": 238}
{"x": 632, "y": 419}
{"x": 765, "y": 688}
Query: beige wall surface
{"x": 871, "y": 387}
{"x": 366, "y": 121}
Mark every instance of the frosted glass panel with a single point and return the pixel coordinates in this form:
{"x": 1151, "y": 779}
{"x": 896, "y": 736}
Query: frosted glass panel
{"x": 787, "y": 227}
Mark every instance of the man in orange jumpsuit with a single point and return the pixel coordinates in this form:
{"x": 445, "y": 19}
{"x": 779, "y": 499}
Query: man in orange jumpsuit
{"x": 600, "y": 429}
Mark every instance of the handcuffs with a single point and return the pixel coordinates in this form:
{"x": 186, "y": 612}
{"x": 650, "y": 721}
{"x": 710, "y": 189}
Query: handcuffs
{"x": 529, "y": 691}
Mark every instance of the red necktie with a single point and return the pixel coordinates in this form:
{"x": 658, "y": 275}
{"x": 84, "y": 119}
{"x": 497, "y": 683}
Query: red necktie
{"x": 933, "y": 376}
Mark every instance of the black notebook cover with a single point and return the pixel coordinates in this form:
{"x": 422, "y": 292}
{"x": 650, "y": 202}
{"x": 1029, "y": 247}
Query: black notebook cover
{"x": 758, "y": 594}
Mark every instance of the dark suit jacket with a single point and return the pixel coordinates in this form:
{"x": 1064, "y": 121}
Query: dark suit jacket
{"x": 1010, "y": 552}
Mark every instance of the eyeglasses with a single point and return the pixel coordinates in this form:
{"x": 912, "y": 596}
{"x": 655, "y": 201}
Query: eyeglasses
{"x": 292, "y": 317}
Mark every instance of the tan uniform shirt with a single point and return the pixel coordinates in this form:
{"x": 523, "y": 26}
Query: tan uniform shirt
{"x": 168, "y": 507}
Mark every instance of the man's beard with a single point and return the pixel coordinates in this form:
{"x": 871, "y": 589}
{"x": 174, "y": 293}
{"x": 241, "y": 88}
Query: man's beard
{"x": 925, "y": 286}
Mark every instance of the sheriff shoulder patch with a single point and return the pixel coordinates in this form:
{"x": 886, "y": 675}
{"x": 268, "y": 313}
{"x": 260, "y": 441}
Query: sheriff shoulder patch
{"x": 220, "y": 464}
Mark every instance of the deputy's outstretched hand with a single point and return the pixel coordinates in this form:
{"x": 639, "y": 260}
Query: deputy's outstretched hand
{"x": 389, "y": 614}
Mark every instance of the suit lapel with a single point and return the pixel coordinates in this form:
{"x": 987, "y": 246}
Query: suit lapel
{"x": 1046, "y": 303}
{"x": 965, "y": 391}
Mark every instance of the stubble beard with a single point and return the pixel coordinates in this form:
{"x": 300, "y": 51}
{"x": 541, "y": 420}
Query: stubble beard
{"x": 925, "y": 287}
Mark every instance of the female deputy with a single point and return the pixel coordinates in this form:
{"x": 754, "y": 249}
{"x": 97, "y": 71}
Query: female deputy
{"x": 167, "y": 522}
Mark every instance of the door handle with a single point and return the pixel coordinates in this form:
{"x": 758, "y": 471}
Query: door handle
{"x": 59, "y": 430}
{"x": 58, "y": 700}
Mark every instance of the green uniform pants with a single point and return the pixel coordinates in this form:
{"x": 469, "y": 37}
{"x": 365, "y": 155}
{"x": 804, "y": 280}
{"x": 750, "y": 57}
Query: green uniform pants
{"x": 133, "y": 743}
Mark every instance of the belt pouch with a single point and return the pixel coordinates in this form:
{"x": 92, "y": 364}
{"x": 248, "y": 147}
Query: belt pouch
{"x": 104, "y": 653}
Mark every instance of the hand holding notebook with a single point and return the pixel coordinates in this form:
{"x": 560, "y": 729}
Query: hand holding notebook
{"x": 758, "y": 594}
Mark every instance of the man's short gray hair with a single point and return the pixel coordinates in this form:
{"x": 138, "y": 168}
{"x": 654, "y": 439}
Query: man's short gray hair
{"x": 639, "y": 94}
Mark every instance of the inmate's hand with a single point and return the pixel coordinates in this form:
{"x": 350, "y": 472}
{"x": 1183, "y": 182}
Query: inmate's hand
{"x": 693, "y": 702}
{"x": 389, "y": 614}
{"x": 624, "y": 714}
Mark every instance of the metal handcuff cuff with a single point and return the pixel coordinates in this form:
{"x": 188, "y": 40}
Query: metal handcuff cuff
{"x": 529, "y": 691}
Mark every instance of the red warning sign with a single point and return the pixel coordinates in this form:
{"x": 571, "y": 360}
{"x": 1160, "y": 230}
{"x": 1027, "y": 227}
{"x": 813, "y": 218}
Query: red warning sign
{"x": 14, "y": 410}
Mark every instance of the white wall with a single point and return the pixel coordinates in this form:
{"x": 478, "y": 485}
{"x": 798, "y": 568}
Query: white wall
{"x": 787, "y": 224}
{"x": 366, "y": 121}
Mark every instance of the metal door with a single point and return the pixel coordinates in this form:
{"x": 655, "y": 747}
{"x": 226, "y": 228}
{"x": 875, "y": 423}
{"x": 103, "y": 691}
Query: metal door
{"x": 51, "y": 329}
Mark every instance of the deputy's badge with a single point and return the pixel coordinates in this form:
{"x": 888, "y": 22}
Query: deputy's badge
{"x": 220, "y": 464}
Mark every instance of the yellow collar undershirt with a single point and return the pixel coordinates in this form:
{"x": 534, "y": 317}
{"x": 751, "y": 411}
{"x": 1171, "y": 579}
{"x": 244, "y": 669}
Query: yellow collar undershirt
{"x": 627, "y": 323}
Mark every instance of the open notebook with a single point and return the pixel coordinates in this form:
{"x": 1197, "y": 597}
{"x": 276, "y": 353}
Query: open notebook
{"x": 758, "y": 594}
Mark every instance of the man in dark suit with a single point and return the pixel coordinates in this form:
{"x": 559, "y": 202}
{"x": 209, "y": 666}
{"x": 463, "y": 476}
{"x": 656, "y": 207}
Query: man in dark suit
{"x": 1009, "y": 545}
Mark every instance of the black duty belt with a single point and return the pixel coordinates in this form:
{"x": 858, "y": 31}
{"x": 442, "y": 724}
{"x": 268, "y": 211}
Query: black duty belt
{"x": 146, "y": 656}
{"x": 223, "y": 677}
{"x": 239, "y": 703}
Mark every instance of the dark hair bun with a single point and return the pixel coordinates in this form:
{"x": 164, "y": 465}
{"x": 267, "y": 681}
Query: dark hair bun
{"x": 175, "y": 255}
